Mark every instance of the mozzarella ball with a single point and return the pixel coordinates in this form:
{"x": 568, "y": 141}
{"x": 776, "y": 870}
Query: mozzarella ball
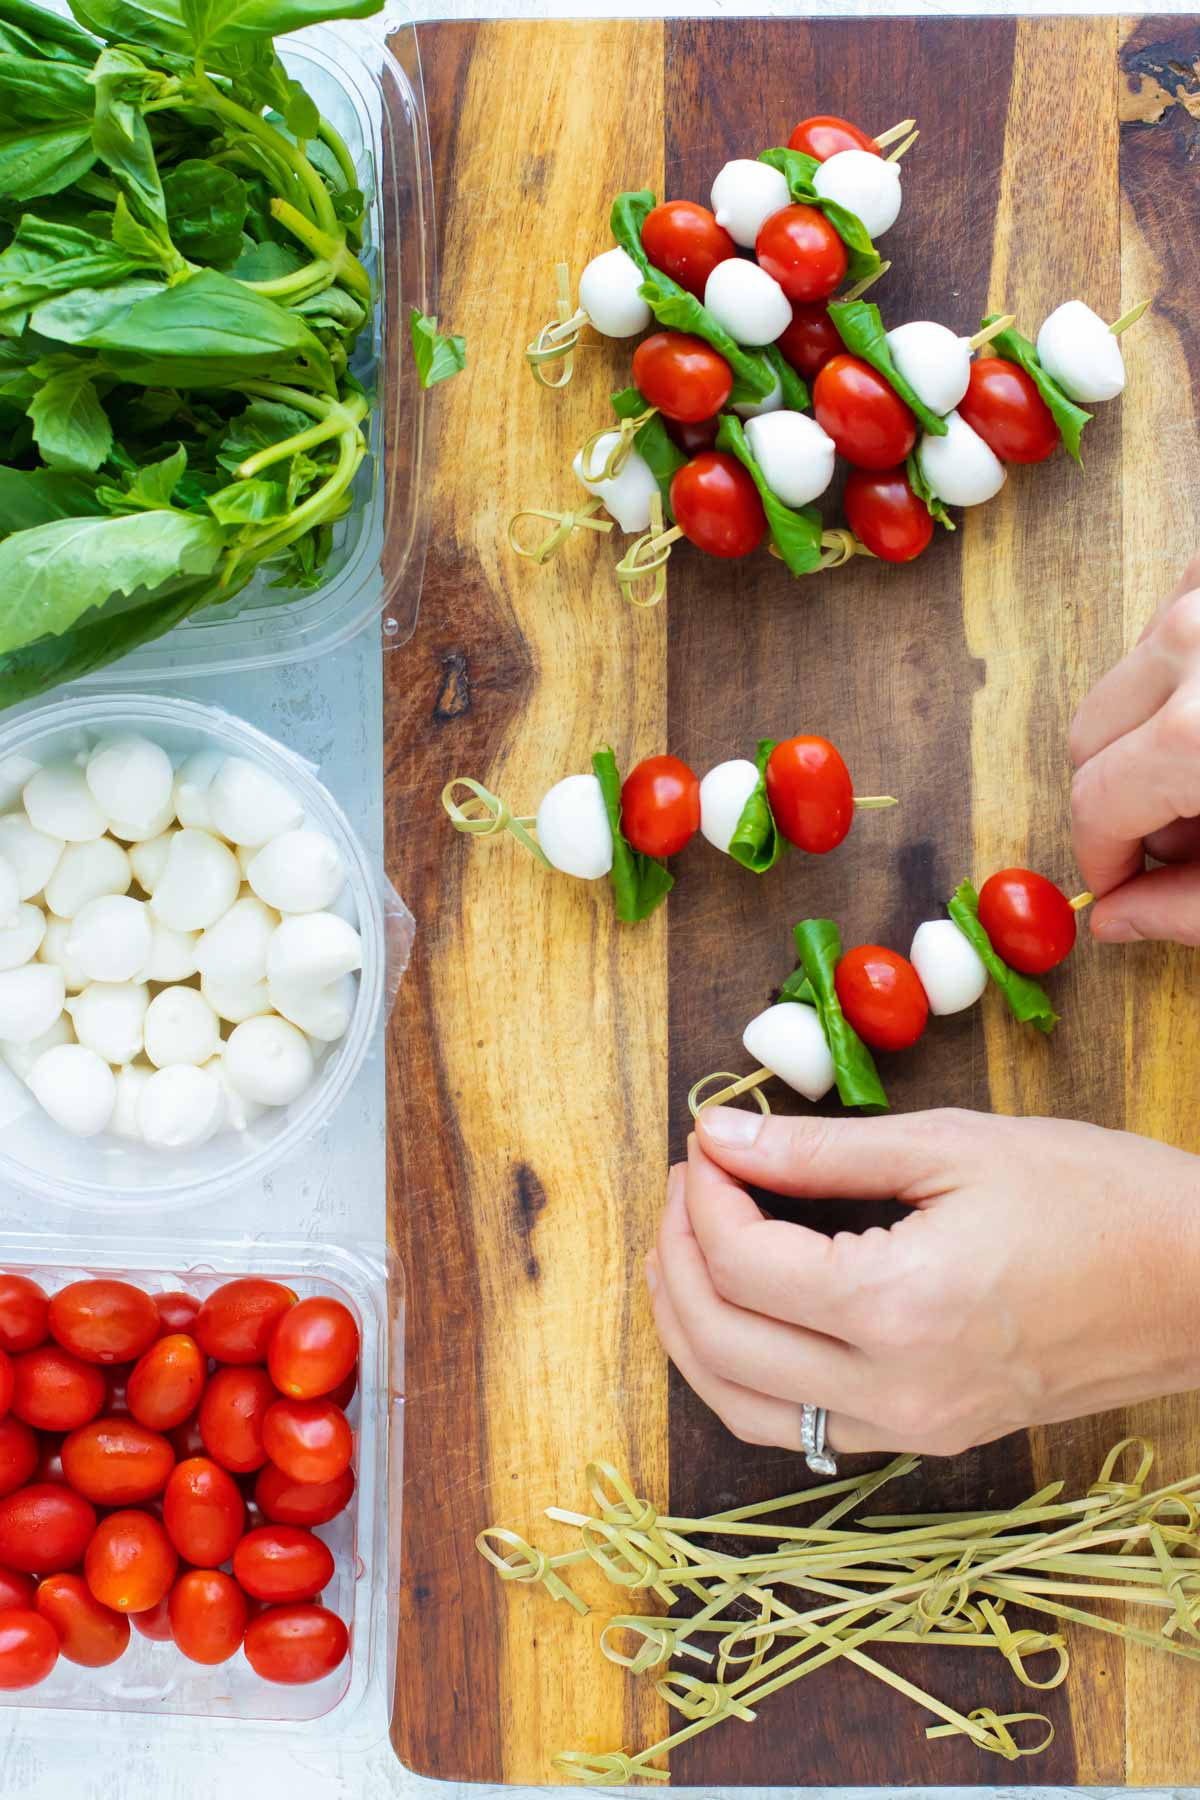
{"x": 148, "y": 860}
{"x": 268, "y": 1060}
{"x": 31, "y": 854}
{"x": 19, "y": 942}
{"x": 573, "y": 828}
{"x": 172, "y": 953}
{"x": 199, "y": 883}
{"x": 131, "y": 779}
{"x": 21, "y": 1057}
{"x": 935, "y": 362}
{"x": 1076, "y": 347}
{"x": 10, "y": 893}
{"x": 109, "y": 1018}
{"x": 249, "y": 806}
{"x": 59, "y": 802}
{"x": 609, "y": 295}
{"x": 628, "y": 495}
{"x": 109, "y": 938}
{"x": 190, "y": 793}
{"x": 949, "y": 967}
{"x": 235, "y": 1001}
{"x": 180, "y": 1027}
{"x": 76, "y": 1087}
{"x": 754, "y": 409}
{"x": 747, "y": 301}
{"x": 15, "y": 771}
{"x": 744, "y": 195}
{"x": 724, "y": 792}
{"x": 53, "y": 949}
{"x": 179, "y": 1107}
{"x": 960, "y": 468}
{"x": 245, "y": 854}
{"x": 323, "y": 1013}
{"x": 312, "y": 950}
{"x": 130, "y": 1082}
{"x": 788, "y": 1039}
{"x": 234, "y": 950}
{"x": 794, "y": 454}
{"x": 31, "y": 1000}
{"x": 85, "y": 872}
{"x": 298, "y": 872}
{"x": 865, "y": 185}
{"x": 239, "y": 1112}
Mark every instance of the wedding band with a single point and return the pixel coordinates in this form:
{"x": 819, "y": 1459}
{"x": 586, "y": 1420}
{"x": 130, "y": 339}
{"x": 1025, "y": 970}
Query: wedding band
{"x": 813, "y": 1421}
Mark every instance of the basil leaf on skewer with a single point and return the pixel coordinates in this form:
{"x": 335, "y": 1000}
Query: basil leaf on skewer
{"x": 640, "y": 883}
{"x": 758, "y": 842}
{"x": 862, "y": 258}
{"x": 796, "y": 532}
{"x": 860, "y": 327}
{"x": 1069, "y": 417}
{"x": 1027, "y": 1000}
{"x": 653, "y": 443}
{"x": 819, "y": 945}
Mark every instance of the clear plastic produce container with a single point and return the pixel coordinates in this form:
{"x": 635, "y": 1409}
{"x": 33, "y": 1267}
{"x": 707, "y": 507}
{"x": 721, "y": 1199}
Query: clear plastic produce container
{"x": 365, "y": 77}
{"x": 154, "y": 1678}
{"x": 108, "y": 1173}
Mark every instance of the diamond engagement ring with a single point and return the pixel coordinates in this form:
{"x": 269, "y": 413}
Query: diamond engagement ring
{"x": 813, "y": 1420}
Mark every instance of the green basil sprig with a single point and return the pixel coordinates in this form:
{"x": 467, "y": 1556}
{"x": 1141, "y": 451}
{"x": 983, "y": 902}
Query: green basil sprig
{"x": 795, "y": 531}
{"x": 819, "y": 945}
{"x": 862, "y": 258}
{"x": 663, "y": 457}
{"x": 640, "y": 883}
{"x": 1069, "y": 418}
{"x": 1027, "y": 1001}
{"x": 861, "y": 330}
{"x": 921, "y": 488}
{"x": 793, "y": 389}
{"x": 437, "y": 357}
{"x": 758, "y": 842}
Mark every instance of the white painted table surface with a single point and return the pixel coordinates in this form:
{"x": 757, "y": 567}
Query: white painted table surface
{"x": 331, "y": 711}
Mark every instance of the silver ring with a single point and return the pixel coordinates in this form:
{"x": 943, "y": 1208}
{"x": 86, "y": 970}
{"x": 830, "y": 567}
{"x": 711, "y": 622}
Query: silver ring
{"x": 813, "y": 1421}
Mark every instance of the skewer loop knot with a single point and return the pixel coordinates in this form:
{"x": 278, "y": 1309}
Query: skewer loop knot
{"x": 1105, "y": 1483}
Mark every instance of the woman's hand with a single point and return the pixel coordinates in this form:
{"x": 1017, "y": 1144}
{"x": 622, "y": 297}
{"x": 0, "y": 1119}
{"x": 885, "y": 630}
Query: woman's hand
{"x": 1135, "y": 743}
{"x": 1047, "y": 1270}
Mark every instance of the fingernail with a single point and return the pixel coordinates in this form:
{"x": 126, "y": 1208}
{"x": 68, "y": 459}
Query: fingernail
{"x": 651, "y": 1274}
{"x": 1115, "y": 931}
{"x": 673, "y": 1181}
{"x": 730, "y": 1126}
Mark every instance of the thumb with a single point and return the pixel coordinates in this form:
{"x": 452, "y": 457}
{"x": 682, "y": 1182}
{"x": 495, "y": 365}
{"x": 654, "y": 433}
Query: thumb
{"x": 1162, "y": 904}
{"x": 909, "y": 1157}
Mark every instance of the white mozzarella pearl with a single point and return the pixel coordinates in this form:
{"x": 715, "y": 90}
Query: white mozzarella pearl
{"x": 573, "y": 828}
{"x": 109, "y": 1018}
{"x": 85, "y": 872}
{"x": 131, "y": 833}
{"x": 628, "y": 495}
{"x": 948, "y": 966}
{"x": 788, "y": 1040}
{"x": 935, "y": 362}
{"x": 190, "y": 793}
{"x": 865, "y": 185}
{"x": 148, "y": 860}
{"x": 794, "y": 454}
{"x": 59, "y": 802}
{"x": 269, "y": 1060}
{"x": 20, "y": 941}
{"x": 172, "y": 954}
{"x": 131, "y": 1080}
{"x": 245, "y": 854}
{"x": 199, "y": 883}
{"x": 744, "y": 195}
{"x": 239, "y": 1112}
{"x": 747, "y": 301}
{"x": 235, "y": 1001}
{"x": 54, "y": 950}
{"x": 608, "y": 294}
{"x": 131, "y": 779}
{"x": 31, "y": 999}
{"x": 180, "y": 1027}
{"x": 960, "y": 468}
{"x": 76, "y": 1087}
{"x": 1076, "y": 347}
{"x": 15, "y": 771}
{"x": 21, "y": 1057}
{"x": 10, "y": 893}
{"x": 755, "y": 409}
{"x": 323, "y": 1013}
{"x": 249, "y": 806}
{"x": 724, "y": 792}
{"x": 298, "y": 872}
{"x": 233, "y": 952}
{"x": 31, "y": 854}
{"x": 179, "y": 1107}
{"x": 311, "y": 950}
{"x": 109, "y": 938}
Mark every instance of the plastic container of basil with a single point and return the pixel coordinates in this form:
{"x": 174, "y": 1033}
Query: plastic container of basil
{"x": 365, "y": 78}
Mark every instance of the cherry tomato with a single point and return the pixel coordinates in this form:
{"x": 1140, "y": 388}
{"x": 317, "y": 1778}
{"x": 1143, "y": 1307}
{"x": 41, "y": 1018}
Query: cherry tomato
{"x": 103, "y": 1321}
{"x": 49, "y": 1458}
{"x": 236, "y": 1323}
{"x": 1003, "y": 405}
{"x": 16, "y": 1590}
{"x": 683, "y": 376}
{"x": 28, "y": 1648}
{"x": 825, "y": 135}
{"x": 116, "y": 1462}
{"x": 167, "y": 1382}
{"x": 117, "y": 1389}
{"x": 811, "y": 339}
{"x": 231, "y": 1417}
{"x": 800, "y": 249}
{"x": 176, "y": 1311}
{"x": 295, "y": 1644}
{"x": 18, "y": 1455}
{"x": 660, "y": 807}
{"x": 716, "y": 505}
{"x": 810, "y": 793}
{"x": 863, "y": 414}
{"x": 308, "y": 1439}
{"x": 203, "y": 1511}
{"x": 44, "y": 1528}
{"x": 186, "y": 1439}
{"x": 883, "y": 511}
{"x": 686, "y": 243}
{"x": 693, "y": 437}
{"x": 289, "y": 1502}
{"x": 54, "y": 1391}
{"x": 155, "y": 1622}
{"x": 315, "y": 1346}
{"x": 88, "y": 1633}
{"x": 1028, "y": 919}
{"x": 130, "y": 1562}
{"x": 882, "y": 996}
{"x": 282, "y": 1563}
{"x": 23, "y": 1313}
{"x": 345, "y": 1390}
{"x": 208, "y": 1613}
{"x": 6, "y": 1382}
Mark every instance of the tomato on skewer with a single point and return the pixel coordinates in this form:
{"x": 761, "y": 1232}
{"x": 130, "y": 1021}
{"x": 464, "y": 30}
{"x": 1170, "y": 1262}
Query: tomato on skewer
{"x": 682, "y": 376}
{"x": 660, "y": 806}
{"x": 811, "y": 340}
{"x": 717, "y": 505}
{"x": 1030, "y": 921}
{"x": 1003, "y": 406}
{"x": 800, "y": 249}
{"x": 684, "y": 240}
{"x": 810, "y": 793}
{"x": 863, "y": 414}
{"x": 884, "y": 514}
{"x": 693, "y": 435}
{"x": 882, "y": 996}
{"x": 824, "y": 135}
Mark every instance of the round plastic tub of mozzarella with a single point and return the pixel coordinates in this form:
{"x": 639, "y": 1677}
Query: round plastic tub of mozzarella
{"x": 153, "y": 1051}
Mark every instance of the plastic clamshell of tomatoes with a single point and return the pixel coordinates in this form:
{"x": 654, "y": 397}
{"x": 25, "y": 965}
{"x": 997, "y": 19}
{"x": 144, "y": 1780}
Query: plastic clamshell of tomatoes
{"x": 717, "y": 506}
{"x": 1030, "y": 921}
{"x": 810, "y": 793}
{"x": 289, "y": 1502}
{"x": 28, "y": 1648}
{"x": 295, "y": 1644}
{"x": 166, "y": 1382}
{"x": 88, "y": 1633}
{"x": 660, "y": 806}
{"x": 237, "y": 1321}
{"x": 53, "y": 1390}
{"x": 684, "y": 241}
{"x": 44, "y": 1528}
{"x": 316, "y": 1344}
{"x": 231, "y": 1417}
{"x": 130, "y": 1562}
{"x": 863, "y": 414}
{"x": 881, "y": 995}
{"x": 117, "y": 1462}
{"x": 207, "y": 1612}
{"x": 101, "y": 1320}
{"x": 825, "y": 135}
{"x": 282, "y": 1563}
{"x": 310, "y": 1440}
{"x": 886, "y": 515}
{"x": 203, "y": 1511}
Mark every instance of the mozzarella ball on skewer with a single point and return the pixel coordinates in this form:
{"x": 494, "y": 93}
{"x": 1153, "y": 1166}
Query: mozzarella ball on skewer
{"x": 31, "y": 1001}
{"x": 948, "y": 966}
{"x": 269, "y": 1060}
{"x": 109, "y": 1018}
{"x": 179, "y": 1107}
{"x": 21, "y": 1057}
{"x": 299, "y": 871}
{"x": 180, "y": 1027}
{"x": 199, "y": 883}
{"x": 131, "y": 779}
{"x": 935, "y": 362}
{"x": 608, "y": 294}
{"x": 755, "y": 409}
{"x": 960, "y": 468}
{"x": 31, "y": 854}
{"x": 788, "y": 1040}
{"x": 748, "y": 302}
{"x": 865, "y": 185}
{"x": 86, "y": 872}
{"x": 628, "y": 494}
{"x": 724, "y": 792}
{"x": 59, "y": 802}
{"x": 1077, "y": 348}
{"x": 573, "y": 829}
{"x": 744, "y": 195}
{"x": 794, "y": 454}
{"x": 20, "y": 941}
{"x": 249, "y": 805}
{"x": 110, "y": 938}
{"x": 76, "y": 1087}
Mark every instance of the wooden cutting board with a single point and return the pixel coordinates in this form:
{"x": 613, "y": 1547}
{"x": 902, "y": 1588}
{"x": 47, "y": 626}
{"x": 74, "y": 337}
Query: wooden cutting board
{"x": 541, "y": 1055}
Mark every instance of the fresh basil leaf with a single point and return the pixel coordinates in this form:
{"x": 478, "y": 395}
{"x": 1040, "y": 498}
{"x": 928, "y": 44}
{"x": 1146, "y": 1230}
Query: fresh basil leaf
{"x": 153, "y": 484}
{"x": 758, "y": 842}
{"x": 266, "y": 261}
{"x": 1027, "y": 1000}
{"x": 819, "y": 945}
{"x": 334, "y": 309}
{"x": 123, "y": 86}
{"x": 861, "y": 330}
{"x": 640, "y": 883}
{"x": 30, "y": 497}
{"x": 793, "y": 389}
{"x": 45, "y": 259}
{"x": 39, "y": 23}
{"x": 206, "y": 209}
{"x": 44, "y": 159}
{"x": 224, "y": 22}
{"x": 70, "y": 427}
{"x": 916, "y": 480}
{"x": 1069, "y": 418}
{"x": 798, "y": 987}
{"x": 35, "y": 92}
{"x": 796, "y": 532}
{"x": 862, "y": 258}
{"x": 653, "y": 443}
{"x": 437, "y": 358}
{"x": 249, "y": 502}
{"x": 73, "y": 317}
{"x": 263, "y": 423}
